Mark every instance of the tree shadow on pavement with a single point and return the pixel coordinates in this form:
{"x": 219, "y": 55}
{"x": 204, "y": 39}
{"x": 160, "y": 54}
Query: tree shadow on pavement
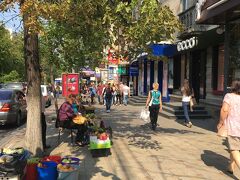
{"x": 218, "y": 161}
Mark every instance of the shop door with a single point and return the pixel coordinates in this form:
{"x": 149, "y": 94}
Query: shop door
{"x": 198, "y": 74}
{"x": 176, "y": 72}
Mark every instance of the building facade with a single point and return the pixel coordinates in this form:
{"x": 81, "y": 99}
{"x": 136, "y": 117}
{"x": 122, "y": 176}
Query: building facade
{"x": 200, "y": 55}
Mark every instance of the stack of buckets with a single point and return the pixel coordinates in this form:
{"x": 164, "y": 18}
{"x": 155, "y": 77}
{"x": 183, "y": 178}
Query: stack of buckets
{"x": 49, "y": 170}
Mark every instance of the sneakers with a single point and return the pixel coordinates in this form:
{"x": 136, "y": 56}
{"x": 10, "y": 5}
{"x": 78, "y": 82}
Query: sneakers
{"x": 189, "y": 125}
{"x": 108, "y": 111}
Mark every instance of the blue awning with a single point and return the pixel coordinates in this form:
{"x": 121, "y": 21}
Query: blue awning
{"x": 168, "y": 50}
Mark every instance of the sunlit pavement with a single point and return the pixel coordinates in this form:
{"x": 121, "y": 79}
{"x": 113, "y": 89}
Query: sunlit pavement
{"x": 173, "y": 151}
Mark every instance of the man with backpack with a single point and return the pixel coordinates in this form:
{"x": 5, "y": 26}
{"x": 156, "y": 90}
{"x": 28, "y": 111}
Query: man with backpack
{"x": 108, "y": 93}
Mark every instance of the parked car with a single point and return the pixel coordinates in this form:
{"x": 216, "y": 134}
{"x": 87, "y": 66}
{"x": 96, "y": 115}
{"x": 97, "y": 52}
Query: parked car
{"x": 1, "y": 86}
{"x": 47, "y": 95}
{"x": 13, "y": 107}
{"x": 15, "y": 85}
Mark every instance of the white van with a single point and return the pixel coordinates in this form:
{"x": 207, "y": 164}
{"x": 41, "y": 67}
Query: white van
{"x": 47, "y": 95}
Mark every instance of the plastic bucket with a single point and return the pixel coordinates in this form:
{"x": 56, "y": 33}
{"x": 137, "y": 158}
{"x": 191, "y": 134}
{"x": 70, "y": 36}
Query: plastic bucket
{"x": 31, "y": 169}
{"x": 48, "y": 171}
{"x": 31, "y": 172}
{"x": 56, "y": 159}
{"x": 71, "y": 175}
{"x": 74, "y": 161}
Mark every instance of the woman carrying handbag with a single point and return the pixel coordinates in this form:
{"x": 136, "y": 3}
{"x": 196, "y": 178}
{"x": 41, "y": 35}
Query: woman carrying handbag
{"x": 154, "y": 101}
{"x": 229, "y": 124}
{"x": 186, "y": 98}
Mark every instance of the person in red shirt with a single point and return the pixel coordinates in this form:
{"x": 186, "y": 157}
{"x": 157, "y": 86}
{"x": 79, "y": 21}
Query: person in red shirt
{"x": 99, "y": 92}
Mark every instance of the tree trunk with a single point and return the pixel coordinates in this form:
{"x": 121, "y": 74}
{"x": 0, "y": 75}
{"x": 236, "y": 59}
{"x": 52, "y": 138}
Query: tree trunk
{"x": 33, "y": 136}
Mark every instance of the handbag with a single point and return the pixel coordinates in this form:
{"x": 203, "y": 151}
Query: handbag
{"x": 192, "y": 102}
{"x": 222, "y": 131}
{"x": 144, "y": 115}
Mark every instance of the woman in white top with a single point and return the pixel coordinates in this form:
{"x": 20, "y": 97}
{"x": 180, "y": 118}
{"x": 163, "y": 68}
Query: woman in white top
{"x": 186, "y": 97}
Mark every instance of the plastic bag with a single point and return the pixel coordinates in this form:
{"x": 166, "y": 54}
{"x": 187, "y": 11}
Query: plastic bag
{"x": 145, "y": 115}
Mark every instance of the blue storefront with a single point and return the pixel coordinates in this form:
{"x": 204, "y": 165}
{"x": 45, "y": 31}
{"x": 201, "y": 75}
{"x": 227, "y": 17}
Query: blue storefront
{"x": 150, "y": 71}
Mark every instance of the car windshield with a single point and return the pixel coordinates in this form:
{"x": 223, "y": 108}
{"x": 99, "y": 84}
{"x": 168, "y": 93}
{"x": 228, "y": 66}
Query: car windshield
{"x": 5, "y": 95}
{"x": 14, "y": 86}
{"x": 42, "y": 89}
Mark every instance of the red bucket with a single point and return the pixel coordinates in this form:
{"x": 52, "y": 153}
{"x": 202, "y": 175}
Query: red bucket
{"x": 56, "y": 159}
{"x": 31, "y": 172}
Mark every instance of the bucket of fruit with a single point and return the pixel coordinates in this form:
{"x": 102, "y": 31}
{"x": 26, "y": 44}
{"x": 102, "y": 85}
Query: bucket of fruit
{"x": 31, "y": 168}
{"x": 56, "y": 159}
{"x": 70, "y": 160}
{"x": 68, "y": 171}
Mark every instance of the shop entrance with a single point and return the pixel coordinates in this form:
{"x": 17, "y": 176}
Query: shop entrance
{"x": 198, "y": 74}
{"x": 176, "y": 72}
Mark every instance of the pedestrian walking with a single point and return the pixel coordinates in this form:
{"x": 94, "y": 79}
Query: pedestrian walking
{"x": 99, "y": 92}
{"x": 121, "y": 92}
{"x": 154, "y": 101}
{"x": 108, "y": 97}
{"x": 126, "y": 94}
{"x": 114, "y": 95}
{"x": 230, "y": 121}
{"x": 57, "y": 91}
{"x": 92, "y": 90}
{"x": 44, "y": 124}
{"x": 104, "y": 94}
{"x": 186, "y": 97}
{"x": 118, "y": 95}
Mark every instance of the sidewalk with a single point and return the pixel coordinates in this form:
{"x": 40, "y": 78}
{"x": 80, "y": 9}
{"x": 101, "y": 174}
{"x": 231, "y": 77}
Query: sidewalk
{"x": 171, "y": 152}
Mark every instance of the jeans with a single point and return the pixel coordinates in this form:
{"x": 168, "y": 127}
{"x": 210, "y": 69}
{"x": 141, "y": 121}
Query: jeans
{"x": 154, "y": 110}
{"x": 99, "y": 99}
{"x": 57, "y": 94}
{"x": 108, "y": 103}
{"x": 118, "y": 99}
{"x": 125, "y": 99}
{"x": 185, "y": 106}
{"x": 114, "y": 99}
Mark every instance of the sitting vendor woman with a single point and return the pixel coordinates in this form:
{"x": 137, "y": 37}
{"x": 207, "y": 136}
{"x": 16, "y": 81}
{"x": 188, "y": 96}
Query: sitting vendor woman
{"x": 66, "y": 115}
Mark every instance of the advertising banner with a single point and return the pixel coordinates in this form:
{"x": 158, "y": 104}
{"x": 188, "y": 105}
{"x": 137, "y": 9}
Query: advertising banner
{"x": 112, "y": 59}
{"x": 70, "y": 84}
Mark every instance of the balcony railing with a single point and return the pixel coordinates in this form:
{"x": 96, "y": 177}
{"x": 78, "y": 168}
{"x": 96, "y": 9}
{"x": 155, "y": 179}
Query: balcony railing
{"x": 187, "y": 18}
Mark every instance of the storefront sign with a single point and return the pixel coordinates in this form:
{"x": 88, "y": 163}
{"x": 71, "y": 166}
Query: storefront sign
{"x": 122, "y": 70}
{"x": 112, "y": 58}
{"x": 70, "y": 84}
{"x": 133, "y": 71}
{"x": 187, "y": 44}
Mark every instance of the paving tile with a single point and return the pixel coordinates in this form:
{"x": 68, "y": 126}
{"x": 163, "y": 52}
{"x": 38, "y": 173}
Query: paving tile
{"x": 171, "y": 152}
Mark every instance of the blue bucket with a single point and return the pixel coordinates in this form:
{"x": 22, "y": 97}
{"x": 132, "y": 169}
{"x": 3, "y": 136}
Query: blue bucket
{"x": 48, "y": 171}
{"x": 74, "y": 161}
{"x": 71, "y": 175}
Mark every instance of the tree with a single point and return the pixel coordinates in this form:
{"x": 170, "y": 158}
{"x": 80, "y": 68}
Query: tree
{"x": 11, "y": 54}
{"x": 75, "y": 32}
{"x": 33, "y": 13}
{"x": 36, "y": 14}
{"x": 137, "y": 24}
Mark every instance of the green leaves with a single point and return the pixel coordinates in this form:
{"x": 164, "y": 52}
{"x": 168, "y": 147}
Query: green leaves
{"x": 11, "y": 53}
{"x": 141, "y": 22}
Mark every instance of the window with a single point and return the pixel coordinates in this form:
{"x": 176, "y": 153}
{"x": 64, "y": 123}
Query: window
{"x": 5, "y": 95}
